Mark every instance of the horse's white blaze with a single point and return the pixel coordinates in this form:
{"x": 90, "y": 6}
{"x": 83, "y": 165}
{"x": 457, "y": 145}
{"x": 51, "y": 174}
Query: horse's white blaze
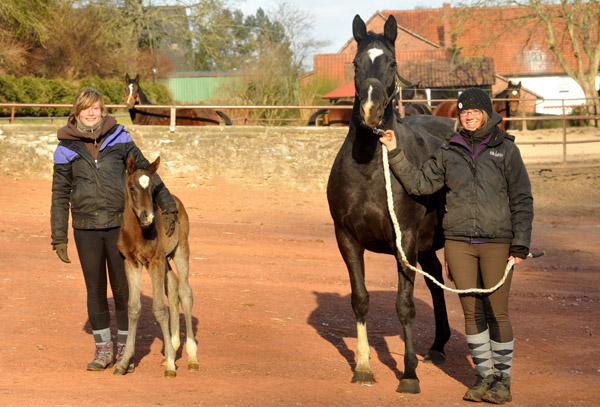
{"x": 374, "y": 53}
{"x": 362, "y": 347}
{"x": 369, "y": 103}
{"x": 515, "y": 93}
{"x": 144, "y": 181}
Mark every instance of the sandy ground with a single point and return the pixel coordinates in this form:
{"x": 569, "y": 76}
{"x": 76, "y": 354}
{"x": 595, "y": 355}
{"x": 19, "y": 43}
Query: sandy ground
{"x": 272, "y": 312}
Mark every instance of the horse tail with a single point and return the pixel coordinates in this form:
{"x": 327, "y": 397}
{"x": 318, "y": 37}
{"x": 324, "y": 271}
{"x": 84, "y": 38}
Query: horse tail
{"x": 225, "y": 118}
{"x": 312, "y": 120}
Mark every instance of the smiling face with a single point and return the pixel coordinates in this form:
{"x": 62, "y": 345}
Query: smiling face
{"x": 91, "y": 115}
{"x": 471, "y": 119}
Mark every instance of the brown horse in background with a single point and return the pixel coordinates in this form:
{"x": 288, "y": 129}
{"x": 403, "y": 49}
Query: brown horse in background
{"x": 415, "y": 92}
{"x": 184, "y": 116}
{"x": 505, "y": 108}
{"x": 143, "y": 243}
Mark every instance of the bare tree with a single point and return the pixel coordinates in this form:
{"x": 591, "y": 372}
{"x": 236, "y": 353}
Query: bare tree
{"x": 571, "y": 29}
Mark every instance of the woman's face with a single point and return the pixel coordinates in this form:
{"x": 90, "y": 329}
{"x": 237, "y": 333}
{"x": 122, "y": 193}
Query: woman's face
{"x": 471, "y": 119}
{"x": 91, "y": 115}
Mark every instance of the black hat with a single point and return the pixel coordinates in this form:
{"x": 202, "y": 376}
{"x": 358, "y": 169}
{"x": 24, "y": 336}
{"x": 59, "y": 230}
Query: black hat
{"x": 474, "y": 98}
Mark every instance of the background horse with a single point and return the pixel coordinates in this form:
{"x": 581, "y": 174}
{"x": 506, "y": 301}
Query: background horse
{"x": 358, "y": 204}
{"x": 143, "y": 243}
{"x": 332, "y": 117}
{"x": 184, "y": 116}
{"x": 505, "y": 108}
{"x": 417, "y": 93}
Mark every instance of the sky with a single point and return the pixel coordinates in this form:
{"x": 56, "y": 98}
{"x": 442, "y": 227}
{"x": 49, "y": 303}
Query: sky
{"x": 333, "y": 18}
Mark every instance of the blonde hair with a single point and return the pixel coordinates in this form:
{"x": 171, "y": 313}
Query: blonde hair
{"x": 84, "y": 99}
{"x": 458, "y": 125}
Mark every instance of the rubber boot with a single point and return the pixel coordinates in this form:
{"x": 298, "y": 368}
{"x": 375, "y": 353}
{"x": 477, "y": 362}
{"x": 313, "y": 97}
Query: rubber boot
{"x": 499, "y": 393}
{"x": 103, "y": 357}
{"x": 481, "y": 387}
{"x": 120, "y": 350}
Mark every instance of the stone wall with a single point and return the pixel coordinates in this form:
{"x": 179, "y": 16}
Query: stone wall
{"x": 299, "y": 157}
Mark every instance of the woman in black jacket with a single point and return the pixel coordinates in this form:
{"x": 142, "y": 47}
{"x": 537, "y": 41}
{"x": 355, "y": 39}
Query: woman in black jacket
{"x": 89, "y": 178}
{"x": 487, "y": 223}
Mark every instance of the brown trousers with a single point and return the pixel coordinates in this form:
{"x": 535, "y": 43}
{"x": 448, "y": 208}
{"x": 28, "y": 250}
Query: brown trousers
{"x": 482, "y": 265}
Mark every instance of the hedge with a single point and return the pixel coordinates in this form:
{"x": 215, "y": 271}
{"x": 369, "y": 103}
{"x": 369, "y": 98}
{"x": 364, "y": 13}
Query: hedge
{"x": 28, "y": 89}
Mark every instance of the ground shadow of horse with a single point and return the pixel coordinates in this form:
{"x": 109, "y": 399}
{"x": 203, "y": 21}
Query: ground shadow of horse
{"x": 334, "y": 321}
{"x": 148, "y": 329}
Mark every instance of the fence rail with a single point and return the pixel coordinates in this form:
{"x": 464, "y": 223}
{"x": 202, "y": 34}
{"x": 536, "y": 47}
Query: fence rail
{"x": 564, "y": 117}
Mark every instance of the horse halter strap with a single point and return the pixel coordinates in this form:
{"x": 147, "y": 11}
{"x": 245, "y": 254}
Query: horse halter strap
{"x": 396, "y": 91}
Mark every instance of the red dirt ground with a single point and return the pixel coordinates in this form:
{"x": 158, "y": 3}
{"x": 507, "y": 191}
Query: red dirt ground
{"x": 272, "y": 311}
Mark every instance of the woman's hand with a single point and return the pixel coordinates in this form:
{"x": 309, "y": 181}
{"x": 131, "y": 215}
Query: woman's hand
{"x": 517, "y": 259}
{"x": 389, "y": 140}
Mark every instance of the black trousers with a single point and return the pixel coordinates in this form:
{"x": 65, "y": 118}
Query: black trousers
{"x": 97, "y": 250}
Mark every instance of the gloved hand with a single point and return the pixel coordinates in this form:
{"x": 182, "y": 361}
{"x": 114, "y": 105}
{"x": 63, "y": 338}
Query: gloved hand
{"x": 61, "y": 251}
{"x": 170, "y": 220}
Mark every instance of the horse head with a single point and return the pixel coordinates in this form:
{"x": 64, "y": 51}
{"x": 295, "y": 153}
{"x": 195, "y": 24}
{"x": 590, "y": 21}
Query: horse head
{"x": 132, "y": 92}
{"x": 374, "y": 70}
{"x": 513, "y": 92}
{"x": 414, "y": 92}
{"x": 138, "y": 191}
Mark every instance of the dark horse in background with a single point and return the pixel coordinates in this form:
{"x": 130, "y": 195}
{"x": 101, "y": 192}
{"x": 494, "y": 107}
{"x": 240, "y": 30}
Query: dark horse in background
{"x": 417, "y": 95}
{"x": 505, "y": 108}
{"x": 183, "y": 116}
{"x": 341, "y": 117}
{"x": 357, "y": 200}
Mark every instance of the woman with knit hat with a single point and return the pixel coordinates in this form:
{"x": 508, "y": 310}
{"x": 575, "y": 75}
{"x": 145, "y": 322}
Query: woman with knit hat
{"x": 487, "y": 223}
{"x": 89, "y": 179}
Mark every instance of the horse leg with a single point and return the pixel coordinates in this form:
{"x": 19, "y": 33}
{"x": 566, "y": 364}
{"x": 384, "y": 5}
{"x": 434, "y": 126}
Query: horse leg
{"x": 432, "y": 265}
{"x": 181, "y": 257}
{"x": 172, "y": 289}
{"x": 405, "y": 308}
{"x": 159, "y": 308}
{"x": 134, "y": 309}
{"x": 353, "y": 255}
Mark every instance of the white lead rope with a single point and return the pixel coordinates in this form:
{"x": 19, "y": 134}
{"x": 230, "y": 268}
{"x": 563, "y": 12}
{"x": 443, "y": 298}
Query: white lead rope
{"x": 390, "y": 203}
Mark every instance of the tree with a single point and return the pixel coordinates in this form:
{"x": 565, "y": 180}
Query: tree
{"x": 571, "y": 29}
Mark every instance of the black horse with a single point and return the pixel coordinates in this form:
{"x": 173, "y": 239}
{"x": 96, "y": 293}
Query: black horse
{"x": 357, "y": 200}
{"x": 184, "y": 116}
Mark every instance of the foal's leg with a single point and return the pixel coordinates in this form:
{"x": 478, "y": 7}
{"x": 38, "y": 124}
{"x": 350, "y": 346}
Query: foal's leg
{"x": 159, "y": 308}
{"x": 432, "y": 265}
{"x": 134, "y": 308}
{"x": 181, "y": 258}
{"x": 173, "y": 297}
{"x": 353, "y": 255}
{"x": 405, "y": 308}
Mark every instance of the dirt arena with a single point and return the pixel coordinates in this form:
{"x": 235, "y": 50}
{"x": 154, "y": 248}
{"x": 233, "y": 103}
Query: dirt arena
{"x": 272, "y": 312}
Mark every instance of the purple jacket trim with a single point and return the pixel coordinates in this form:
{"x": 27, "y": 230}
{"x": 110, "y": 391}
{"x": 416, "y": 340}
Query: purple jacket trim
{"x": 459, "y": 139}
{"x": 63, "y": 155}
{"x": 119, "y": 136}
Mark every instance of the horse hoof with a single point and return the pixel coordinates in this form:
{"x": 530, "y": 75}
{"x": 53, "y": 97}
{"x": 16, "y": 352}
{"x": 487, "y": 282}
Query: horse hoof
{"x": 409, "y": 386}
{"x": 193, "y": 366}
{"x": 170, "y": 373}
{"x": 119, "y": 371}
{"x": 363, "y": 377}
{"x": 434, "y": 357}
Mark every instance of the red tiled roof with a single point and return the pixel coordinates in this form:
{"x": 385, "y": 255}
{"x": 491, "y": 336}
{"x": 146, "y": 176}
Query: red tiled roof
{"x": 344, "y": 91}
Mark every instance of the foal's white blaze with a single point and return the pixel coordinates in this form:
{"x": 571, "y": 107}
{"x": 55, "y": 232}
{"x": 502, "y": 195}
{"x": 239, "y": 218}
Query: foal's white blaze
{"x": 144, "y": 181}
{"x": 374, "y": 53}
{"x": 362, "y": 348}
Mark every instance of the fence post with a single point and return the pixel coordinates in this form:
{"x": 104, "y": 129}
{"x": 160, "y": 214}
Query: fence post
{"x": 564, "y": 114}
{"x": 173, "y": 119}
{"x": 12, "y": 115}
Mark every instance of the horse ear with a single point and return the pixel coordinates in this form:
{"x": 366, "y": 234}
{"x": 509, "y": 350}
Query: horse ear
{"x": 130, "y": 165}
{"x": 152, "y": 168}
{"x": 126, "y": 77}
{"x": 137, "y": 78}
{"x": 359, "y": 29}
{"x": 390, "y": 29}
{"x": 519, "y": 85}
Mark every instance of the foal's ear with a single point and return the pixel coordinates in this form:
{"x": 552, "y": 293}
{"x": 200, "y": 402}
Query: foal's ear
{"x": 130, "y": 165}
{"x": 137, "y": 78}
{"x": 390, "y": 29}
{"x": 127, "y": 77}
{"x": 359, "y": 29}
{"x": 152, "y": 168}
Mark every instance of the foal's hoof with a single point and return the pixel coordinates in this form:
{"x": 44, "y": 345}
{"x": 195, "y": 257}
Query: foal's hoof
{"x": 193, "y": 366}
{"x": 170, "y": 373}
{"x": 363, "y": 377}
{"x": 434, "y": 357}
{"x": 409, "y": 386}
{"x": 119, "y": 371}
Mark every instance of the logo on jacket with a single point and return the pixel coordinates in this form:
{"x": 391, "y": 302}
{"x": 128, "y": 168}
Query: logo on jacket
{"x": 496, "y": 153}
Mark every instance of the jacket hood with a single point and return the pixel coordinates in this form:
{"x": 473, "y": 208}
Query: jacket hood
{"x": 71, "y": 132}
